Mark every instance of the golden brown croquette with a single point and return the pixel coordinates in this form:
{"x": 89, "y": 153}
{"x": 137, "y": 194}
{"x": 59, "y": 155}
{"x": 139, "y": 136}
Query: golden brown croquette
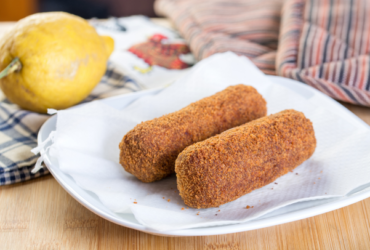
{"x": 225, "y": 167}
{"x": 149, "y": 150}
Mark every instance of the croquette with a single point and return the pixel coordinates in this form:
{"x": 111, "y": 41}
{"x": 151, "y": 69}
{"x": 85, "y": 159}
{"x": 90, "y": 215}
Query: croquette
{"x": 225, "y": 167}
{"x": 149, "y": 151}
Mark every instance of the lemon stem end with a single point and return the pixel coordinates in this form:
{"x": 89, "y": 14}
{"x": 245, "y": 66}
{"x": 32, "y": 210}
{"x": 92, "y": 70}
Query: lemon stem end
{"x": 13, "y": 66}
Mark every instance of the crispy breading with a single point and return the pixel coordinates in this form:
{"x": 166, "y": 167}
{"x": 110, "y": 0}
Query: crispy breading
{"x": 149, "y": 150}
{"x": 225, "y": 167}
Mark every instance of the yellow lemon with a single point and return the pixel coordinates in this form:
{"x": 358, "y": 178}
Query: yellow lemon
{"x": 52, "y": 60}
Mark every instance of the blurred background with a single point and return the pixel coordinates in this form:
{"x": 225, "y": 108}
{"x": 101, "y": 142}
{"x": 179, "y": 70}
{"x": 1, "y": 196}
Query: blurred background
{"x": 13, "y": 10}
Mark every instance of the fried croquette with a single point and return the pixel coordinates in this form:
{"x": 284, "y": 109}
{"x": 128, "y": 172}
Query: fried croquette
{"x": 225, "y": 167}
{"x": 149, "y": 151}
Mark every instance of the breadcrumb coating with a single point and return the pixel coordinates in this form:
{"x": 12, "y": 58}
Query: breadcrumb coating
{"x": 149, "y": 151}
{"x": 225, "y": 167}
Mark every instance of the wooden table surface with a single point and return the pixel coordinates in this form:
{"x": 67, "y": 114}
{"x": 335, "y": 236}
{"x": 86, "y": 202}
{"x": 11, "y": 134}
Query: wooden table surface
{"x": 39, "y": 214}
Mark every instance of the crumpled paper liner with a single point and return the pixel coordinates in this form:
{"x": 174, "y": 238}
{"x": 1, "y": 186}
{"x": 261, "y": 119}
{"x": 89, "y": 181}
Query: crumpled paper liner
{"x": 87, "y": 138}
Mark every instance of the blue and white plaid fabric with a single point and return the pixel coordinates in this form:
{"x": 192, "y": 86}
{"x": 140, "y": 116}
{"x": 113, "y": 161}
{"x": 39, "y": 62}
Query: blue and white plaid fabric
{"x": 19, "y": 128}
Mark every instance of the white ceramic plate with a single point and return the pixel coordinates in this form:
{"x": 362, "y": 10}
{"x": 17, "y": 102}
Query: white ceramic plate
{"x": 291, "y": 213}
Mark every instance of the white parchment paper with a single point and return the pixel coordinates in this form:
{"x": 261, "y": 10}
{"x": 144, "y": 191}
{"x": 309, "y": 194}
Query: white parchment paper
{"x": 87, "y": 138}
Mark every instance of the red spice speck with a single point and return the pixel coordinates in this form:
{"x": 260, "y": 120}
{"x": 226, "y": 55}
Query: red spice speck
{"x": 247, "y": 207}
{"x": 182, "y": 208}
{"x": 276, "y": 183}
{"x": 321, "y": 172}
{"x": 252, "y": 206}
{"x": 218, "y": 210}
{"x": 163, "y": 198}
{"x": 314, "y": 183}
{"x": 168, "y": 200}
{"x": 296, "y": 173}
{"x": 198, "y": 213}
{"x": 319, "y": 178}
{"x": 135, "y": 202}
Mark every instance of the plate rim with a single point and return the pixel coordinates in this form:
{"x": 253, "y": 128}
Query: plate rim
{"x": 222, "y": 229}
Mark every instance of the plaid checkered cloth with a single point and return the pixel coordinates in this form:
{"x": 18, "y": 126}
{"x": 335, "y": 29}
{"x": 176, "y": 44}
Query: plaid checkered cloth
{"x": 19, "y": 128}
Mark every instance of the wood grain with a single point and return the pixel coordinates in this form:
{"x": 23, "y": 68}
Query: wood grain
{"x": 40, "y": 215}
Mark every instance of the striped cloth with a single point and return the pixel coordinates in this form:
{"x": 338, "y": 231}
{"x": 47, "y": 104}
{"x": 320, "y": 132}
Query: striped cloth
{"x": 246, "y": 27}
{"x": 324, "y": 43}
{"x": 19, "y": 128}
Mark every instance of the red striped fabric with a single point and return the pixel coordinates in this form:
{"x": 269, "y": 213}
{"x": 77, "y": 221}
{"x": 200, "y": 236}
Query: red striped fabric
{"x": 249, "y": 28}
{"x": 324, "y": 43}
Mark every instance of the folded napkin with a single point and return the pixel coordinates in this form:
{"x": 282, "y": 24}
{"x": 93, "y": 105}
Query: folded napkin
{"x": 86, "y": 140}
{"x": 19, "y": 128}
{"x": 324, "y": 44}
